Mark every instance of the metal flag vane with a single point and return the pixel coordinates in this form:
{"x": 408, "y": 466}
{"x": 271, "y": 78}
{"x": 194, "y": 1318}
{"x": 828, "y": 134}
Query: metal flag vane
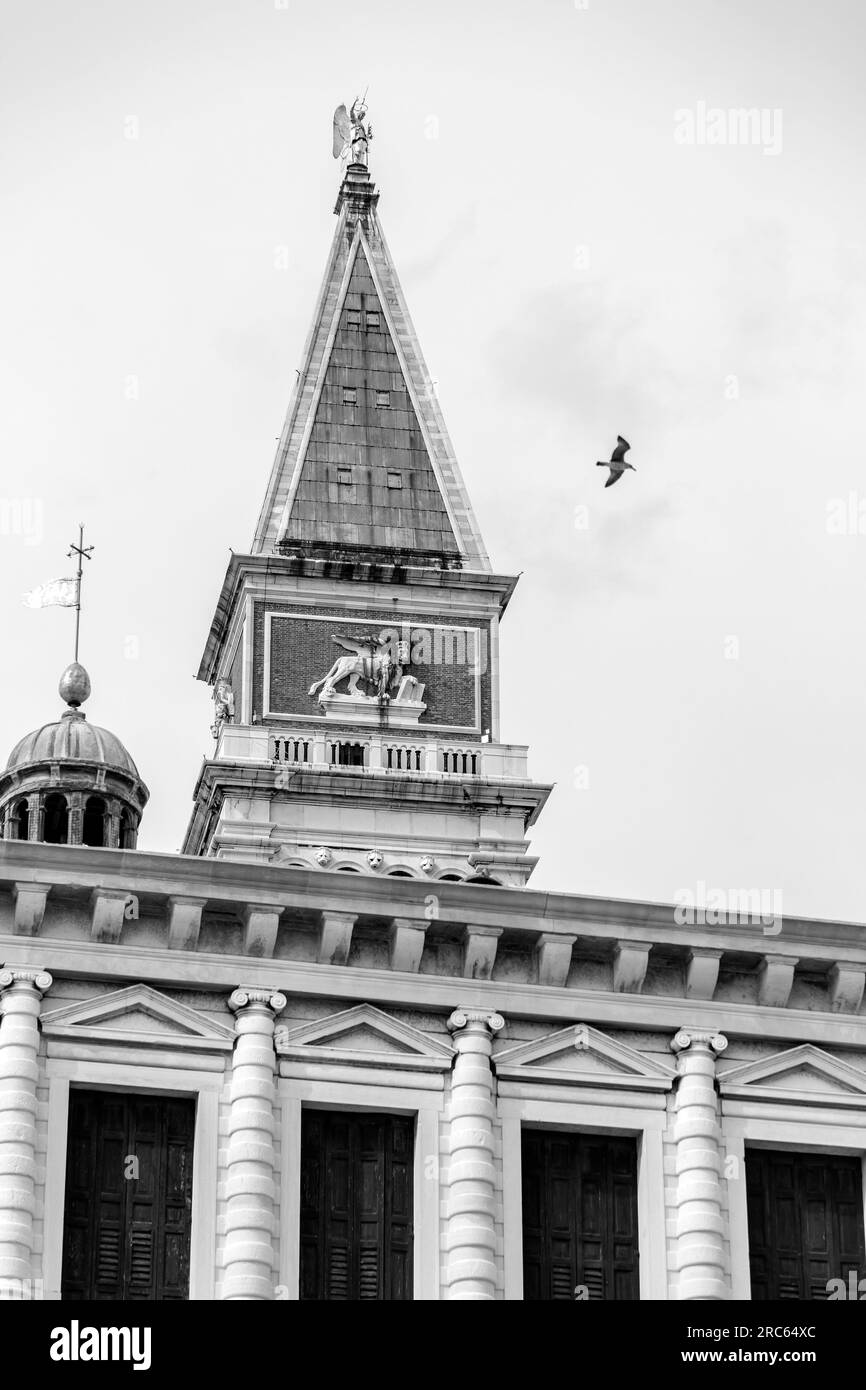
{"x": 84, "y": 552}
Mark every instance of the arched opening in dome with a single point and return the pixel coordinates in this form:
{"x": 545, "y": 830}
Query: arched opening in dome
{"x": 348, "y": 869}
{"x": 55, "y": 829}
{"x": 127, "y": 830}
{"x": 483, "y": 878}
{"x": 95, "y": 822}
{"x": 398, "y": 873}
{"x": 21, "y": 821}
{"x": 450, "y": 878}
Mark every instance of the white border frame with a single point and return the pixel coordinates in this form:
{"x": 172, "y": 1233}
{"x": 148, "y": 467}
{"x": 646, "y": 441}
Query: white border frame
{"x": 267, "y": 713}
{"x": 617, "y": 1116}
{"x": 397, "y": 1095}
{"x": 129, "y": 1076}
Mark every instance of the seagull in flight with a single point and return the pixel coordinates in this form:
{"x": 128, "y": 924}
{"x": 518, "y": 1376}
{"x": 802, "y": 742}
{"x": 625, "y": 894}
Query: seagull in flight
{"x": 617, "y": 464}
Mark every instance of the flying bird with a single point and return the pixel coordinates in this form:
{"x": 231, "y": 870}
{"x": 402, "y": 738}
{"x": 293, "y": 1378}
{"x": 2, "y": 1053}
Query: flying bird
{"x": 617, "y": 464}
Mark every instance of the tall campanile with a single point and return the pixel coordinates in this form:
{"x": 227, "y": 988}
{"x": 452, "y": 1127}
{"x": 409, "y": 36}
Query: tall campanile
{"x": 354, "y": 652}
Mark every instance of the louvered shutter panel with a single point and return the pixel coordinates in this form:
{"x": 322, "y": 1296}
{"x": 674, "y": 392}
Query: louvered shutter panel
{"x": 338, "y": 1193}
{"x": 80, "y": 1187}
{"x": 110, "y": 1199}
{"x": 128, "y": 1197}
{"x": 174, "y": 1253}
{"x": 592, "y": 1231}
{"x": 312, "y": 1238}
{"x": 758, "y": 1204}
{"x": 533, "y": 1217}
{"x": 370, "y": 1197}
{"x": 579, "y": 1217}
{"x": 399, "y": 1207}
{"x": 805, "y": 1222}
{"x": 356, "y": 1206}
{"x": 146, "y": 1149}
{"x": 623, "y": 1231}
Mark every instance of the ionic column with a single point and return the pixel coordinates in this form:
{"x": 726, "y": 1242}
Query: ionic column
{"x": 471, "y": 1174}
{"x": 697, "y": 1136}
{"x": 250, "y": 1186}
{"x": 20, "y": 997}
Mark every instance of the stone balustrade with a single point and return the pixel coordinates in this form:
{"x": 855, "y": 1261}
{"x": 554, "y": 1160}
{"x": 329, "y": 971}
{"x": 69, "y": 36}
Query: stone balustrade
{"x": 312, "y": 748}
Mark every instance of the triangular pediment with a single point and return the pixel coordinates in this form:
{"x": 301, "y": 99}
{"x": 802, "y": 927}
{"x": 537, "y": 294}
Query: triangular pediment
{"x": 582, "y": 1054}
{"x": 138, "y": 1014}
{"x": 803, "y": 1073}
{"x": 363, "y": 341}
{"x": 364, "y": 1036}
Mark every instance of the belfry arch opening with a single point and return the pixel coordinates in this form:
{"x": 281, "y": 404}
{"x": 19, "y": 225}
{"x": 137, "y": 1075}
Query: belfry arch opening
{"x": 21, "y": 821}
{"x": 126, "y": 834}
{"x": 95, "y": 823}
{"x": 55, "y": 829}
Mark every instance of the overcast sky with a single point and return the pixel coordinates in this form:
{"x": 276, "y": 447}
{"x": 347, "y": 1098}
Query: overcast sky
{"x": 685, "y": 656}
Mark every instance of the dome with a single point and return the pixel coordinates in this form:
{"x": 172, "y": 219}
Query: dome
{"x": 70, "y": 782}
{"x": 72, "y": 739}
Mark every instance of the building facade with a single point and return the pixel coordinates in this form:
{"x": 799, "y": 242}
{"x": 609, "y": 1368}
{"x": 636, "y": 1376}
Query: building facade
{"x": 339, "y": 1048}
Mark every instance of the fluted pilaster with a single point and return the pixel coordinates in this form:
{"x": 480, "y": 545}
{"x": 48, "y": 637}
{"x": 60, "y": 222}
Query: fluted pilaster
{"x": 471, "y": 1174}
{"x": 697, "y": 1136}
{"x": 20, "y": 1000}
{"x": 250, "y": 1184}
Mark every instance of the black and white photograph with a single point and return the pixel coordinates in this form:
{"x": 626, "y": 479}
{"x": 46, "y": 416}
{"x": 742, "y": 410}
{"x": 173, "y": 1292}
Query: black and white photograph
{"x": 432, "y": 556}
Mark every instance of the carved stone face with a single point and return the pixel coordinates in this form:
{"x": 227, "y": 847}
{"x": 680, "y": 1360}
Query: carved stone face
{"x": 428, "y": 864}
{"x": 374, "y": 859}
{"x": 323, "y": 857}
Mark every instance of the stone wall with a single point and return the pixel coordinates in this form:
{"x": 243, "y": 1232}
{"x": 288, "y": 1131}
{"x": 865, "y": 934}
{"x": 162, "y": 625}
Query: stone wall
{"x": 576, "y": 1080}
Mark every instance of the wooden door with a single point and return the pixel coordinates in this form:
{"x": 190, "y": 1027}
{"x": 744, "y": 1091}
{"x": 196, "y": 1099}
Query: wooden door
{"x": 126, "y": 1232}
{"x": 805, "y": 1222}
{"x": 356, "y": 1206}
{"x": 579, "y": 1216}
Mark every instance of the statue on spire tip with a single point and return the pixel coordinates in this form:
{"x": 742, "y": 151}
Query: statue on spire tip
{"x": 350, "y": 132}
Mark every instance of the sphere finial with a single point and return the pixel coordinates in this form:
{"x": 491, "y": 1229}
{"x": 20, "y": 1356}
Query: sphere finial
{"x": 74, "y": 685}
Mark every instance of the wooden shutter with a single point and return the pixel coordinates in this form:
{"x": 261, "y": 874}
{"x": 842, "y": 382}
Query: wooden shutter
{"x": 127, "y": 1224}
{"x": 579, "y": 1216}
{"x": 356, "y": 1206}
{"x": 805, "y": 1222}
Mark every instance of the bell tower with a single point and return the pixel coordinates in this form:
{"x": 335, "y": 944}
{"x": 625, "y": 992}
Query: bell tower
{"x": 354, "y": 652}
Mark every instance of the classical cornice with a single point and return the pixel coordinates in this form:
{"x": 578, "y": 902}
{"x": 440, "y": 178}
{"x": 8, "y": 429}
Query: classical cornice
{"x": 286, "y": 578}
{"x": 166, "y": 968}
{"x": 515, "y": 909}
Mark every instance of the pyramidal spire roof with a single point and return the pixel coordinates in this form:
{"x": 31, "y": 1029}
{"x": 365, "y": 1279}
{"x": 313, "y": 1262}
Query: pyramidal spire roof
{"x": 364, "y": 459}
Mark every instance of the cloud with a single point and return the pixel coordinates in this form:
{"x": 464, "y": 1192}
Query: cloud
{"x": 790, "y": 313}
{"x": 595, "y": 354}
{"x": 415, "y": 270}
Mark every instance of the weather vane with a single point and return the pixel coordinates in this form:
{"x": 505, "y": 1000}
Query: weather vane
{"x": 83, "y": 552}
{"x": 66, "y": 592}
{"x": 350, "y": 132}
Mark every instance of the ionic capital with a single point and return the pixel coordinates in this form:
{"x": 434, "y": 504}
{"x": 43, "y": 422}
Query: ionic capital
{"x": 461, "y": 1017}
{"x": 40, "y": 980}
{"x": 267, "y": 998}
{"x": 698, "y": 1038}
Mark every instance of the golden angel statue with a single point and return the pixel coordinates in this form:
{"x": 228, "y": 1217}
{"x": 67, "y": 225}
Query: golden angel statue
{"x": 350, "y": 132}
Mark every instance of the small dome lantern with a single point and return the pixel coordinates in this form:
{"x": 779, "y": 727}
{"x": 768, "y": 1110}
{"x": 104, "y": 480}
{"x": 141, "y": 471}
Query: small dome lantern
{"x": 71, "y": 782}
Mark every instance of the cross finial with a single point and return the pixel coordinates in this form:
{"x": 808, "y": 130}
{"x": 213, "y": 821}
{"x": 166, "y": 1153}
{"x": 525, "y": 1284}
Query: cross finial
{"x": 84, "y": 552}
